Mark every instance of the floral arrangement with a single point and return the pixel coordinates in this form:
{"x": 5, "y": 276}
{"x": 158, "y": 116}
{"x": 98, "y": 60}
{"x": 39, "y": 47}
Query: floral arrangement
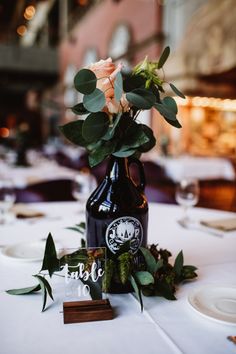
{"x": 155, "y": 276}
{"x": 112, "y": 101}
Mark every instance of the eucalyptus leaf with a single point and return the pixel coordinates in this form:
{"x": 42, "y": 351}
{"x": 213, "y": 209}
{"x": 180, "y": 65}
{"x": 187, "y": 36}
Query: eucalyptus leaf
{"x": 79, "y": 109}
{"x": 44, "y": 290}
{"x": 73, "y": 132}
{"x": 133, "y": 138}
{"x": 108, "y": 135}
{"x": 85, "y": 81}
{"x": 137, "y": 290}
{"x": 112, "y": 128}
{"x": 190, "y": 268}
{"x": 98, "y": 155}
{"x": 24, "y": 291}
{"x": 44, "y": 281}
{"x": 138, "y": 136}
{"x": 125, "y": 153}
{"x": 165, "y": 111}
{"x": 171, "y": 104}
{"x": 156, "y": 91}
{"x": 149, "y": 259}
{"x": 179, "y": 262}
{"x": 115, "y": 124}
{"x": 50, "y": 261}
{"x": 141, "y": 98}
{"x": 164, "y": 57}
{"x": 174, "y": 123}
{"x": 187, "y": 273}
{"x": 118, "y": 87}
{"x": 151, "y": 142}
{"x": 78, "y": 227}
{"x": 144, "y": 278}
{"x": 95, "y": 101}
{"x": 74, "y": 228}
{"x": 94, "y": 146}
{"x": 95, "y": 157}
{"x": 169, "y": 115}
{"x": 95, "y": 126}
{"x": 177, "y": 91}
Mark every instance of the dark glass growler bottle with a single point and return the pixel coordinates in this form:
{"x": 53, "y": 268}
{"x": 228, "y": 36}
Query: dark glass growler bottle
{"x": 117, "y": 211}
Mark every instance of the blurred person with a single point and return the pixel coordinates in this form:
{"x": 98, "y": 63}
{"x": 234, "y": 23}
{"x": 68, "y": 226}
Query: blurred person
{"x": 32, "y": 118}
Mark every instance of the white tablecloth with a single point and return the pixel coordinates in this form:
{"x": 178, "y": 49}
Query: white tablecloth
{"x": 45, "y": 171}
{"x": 202, "y": 168}
{"x": 165, "y": 327}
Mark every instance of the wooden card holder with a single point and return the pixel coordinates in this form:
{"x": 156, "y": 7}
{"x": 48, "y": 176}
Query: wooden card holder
{"x": 84, "y": 311}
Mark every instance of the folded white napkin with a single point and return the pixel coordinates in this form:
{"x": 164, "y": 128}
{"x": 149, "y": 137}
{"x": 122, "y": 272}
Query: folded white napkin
{"x": 228, "y": 224}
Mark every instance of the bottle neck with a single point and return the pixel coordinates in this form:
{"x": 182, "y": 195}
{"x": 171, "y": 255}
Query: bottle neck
{"x": 118, "y": 168}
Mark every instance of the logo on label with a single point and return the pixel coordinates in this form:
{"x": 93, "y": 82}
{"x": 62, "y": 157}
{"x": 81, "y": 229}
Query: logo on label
{"x": 122, "y": 230}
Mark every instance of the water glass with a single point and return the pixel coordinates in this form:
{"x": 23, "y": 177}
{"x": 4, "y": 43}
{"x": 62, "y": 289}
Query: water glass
{"x": 7, "y": 199}
{"x": 187, "y": 195}
{"x": 83, "y": 185}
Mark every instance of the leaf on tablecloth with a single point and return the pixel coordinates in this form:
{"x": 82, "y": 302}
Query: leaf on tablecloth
{"x": 50, "y": 260}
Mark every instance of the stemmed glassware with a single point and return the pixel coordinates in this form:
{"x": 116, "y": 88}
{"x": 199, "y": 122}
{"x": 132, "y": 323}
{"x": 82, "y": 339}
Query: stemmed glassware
{"x": 83, "y": 185}
{"x": 7, "y": 199}
{"x": 187, "y": 195}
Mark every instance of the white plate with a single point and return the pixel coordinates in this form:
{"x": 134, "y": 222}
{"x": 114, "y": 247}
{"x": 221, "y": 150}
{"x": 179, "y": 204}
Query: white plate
{"x": 215, "y": 302}
{"x": 25, "y": 252}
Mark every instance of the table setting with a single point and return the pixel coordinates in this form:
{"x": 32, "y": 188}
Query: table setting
{"x": 157, "y": 283}
{"x": 176, "y": 326}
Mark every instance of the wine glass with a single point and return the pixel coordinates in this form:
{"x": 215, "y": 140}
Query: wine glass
{"x": 7, "y": 199}
{"x": 83, "y": 185}
{"x": 187, "y": 195}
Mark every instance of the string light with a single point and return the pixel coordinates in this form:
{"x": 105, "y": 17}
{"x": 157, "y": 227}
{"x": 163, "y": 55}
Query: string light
{"x": 208, "y": 102}
{"x": 29, "y": 12}
{"x": 21, "y": 30}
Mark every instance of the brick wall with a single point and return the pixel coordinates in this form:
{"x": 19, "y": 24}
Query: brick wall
{"x": 143, "y": 17}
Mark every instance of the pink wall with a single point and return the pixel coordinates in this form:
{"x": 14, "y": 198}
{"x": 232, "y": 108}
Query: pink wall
{"x": 95, "y": 30}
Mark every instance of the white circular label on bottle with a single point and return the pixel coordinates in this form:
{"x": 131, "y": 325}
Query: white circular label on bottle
{"x": 122, "y": 230}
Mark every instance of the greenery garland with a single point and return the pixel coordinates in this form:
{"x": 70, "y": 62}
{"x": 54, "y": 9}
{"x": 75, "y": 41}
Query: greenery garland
{"x": 152, "y": 275}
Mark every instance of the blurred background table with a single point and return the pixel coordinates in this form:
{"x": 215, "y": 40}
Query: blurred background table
{"x": 44, "y": 171}
{"x": 202, "y": 168}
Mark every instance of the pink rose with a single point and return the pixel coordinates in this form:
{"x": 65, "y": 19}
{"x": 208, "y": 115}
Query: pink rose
{"x": 106, "y": 71}
{"x": 115, "y": 107}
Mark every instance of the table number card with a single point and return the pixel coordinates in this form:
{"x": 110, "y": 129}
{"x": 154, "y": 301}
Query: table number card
{"x": 84, "y": 271}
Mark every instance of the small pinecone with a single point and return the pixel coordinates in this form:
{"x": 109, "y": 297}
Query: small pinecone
{"x": 125, "y": 266}
{"x": 165, "y": 254}
{"x": 154, "y": 251}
